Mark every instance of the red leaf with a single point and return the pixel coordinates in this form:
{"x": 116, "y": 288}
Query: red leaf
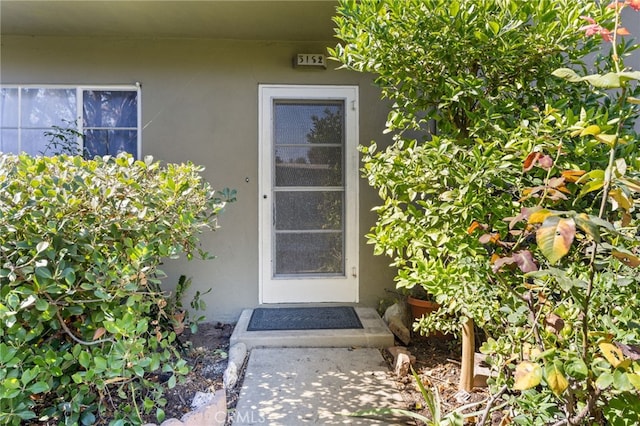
{"x": 498, "y": 264}
{"x": 489, "y": 238}
{"x": 524, "y": 260}
{"x": 530, "y": 161}
{"x": 99, "y": 333}
{"x": 475, "y": 225}
{"x": 572, "y": 175}
{"x": 545, "y": 161}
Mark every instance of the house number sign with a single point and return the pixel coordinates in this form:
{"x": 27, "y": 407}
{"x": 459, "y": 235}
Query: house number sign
{"x": 310, "y": 60}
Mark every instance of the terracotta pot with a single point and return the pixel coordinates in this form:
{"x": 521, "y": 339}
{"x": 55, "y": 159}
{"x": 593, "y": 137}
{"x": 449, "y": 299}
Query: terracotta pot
{"x": 421, "y": 307}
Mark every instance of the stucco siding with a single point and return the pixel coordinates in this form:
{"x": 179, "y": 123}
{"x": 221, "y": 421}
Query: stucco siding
{"x": 200, "y": 104}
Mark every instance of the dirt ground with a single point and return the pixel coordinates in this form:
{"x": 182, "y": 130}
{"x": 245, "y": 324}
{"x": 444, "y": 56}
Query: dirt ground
{"x": 437, "y": 364}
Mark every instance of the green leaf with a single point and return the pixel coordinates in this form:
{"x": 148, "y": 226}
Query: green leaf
{"x": 171, "y": 383}
{"x": 139, "y": 371}
{"x": 87, "y": 418}
{"x": 38, "y": 387}
{"x": 84, "y": 359}
{"x": 555, "y": 237}
{"x": 577, "y": 369}
{"x": 566, "y": 74}
{"x": 634, "y": 379}
{"x": 495, "y": 27}
{"x": 100, "y": 363}
{"x": 43, "y": 272}
{"x": 69, "y": 276}
{"x": 604, "y": 380}
{"x": 609, "y": 80}
{"x": 29, "y": 375}
{"x": 11, "y": 383}
{"x": 26, "y": 414}
{"x": 160, "y": 415}
{"x": 6, "y": 353}
{"x": 621, "y": 381}
{"x": 42, "y": 305}
{"x": 584, "y": 222}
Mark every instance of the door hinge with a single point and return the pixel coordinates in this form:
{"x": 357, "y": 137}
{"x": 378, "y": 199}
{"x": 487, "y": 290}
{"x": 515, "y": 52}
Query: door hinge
{"x": 354, "y": 272}
{"x": 353, "y": 105}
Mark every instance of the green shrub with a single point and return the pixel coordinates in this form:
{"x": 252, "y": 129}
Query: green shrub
{"x": 84, "y": 325}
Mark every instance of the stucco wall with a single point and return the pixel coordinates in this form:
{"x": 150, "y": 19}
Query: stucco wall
{"x": 200, "y": 103}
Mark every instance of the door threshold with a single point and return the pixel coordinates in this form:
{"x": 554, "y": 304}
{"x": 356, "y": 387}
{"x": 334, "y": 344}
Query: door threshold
{"x": 374, "y": 334}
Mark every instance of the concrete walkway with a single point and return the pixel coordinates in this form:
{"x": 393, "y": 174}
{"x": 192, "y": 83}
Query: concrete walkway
{"x": 302, "y": 386}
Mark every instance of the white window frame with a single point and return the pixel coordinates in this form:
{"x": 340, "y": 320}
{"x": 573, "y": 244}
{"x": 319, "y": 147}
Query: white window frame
{"x": 80, "y": 106}
{"x": 319, "y": 288}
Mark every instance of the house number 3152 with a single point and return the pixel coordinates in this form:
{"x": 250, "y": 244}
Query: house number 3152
{"x": 310, "y": 60}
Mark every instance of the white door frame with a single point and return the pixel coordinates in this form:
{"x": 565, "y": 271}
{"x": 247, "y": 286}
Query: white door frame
{"x": 317, "y": 288}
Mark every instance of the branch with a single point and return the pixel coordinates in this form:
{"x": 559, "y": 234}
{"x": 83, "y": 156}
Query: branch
{"x": 490, "y": 403}
{"x": 82, "y": 342}
{"x": 579, "y": 418}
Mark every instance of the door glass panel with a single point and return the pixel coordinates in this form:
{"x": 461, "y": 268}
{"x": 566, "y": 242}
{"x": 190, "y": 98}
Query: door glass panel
{"x": 308, "y": 253}
{"x": 309, "y": 210}
{"x": 312, "y": 166}
{"x": 308, "y": 206}
{"x": 308, "y": 122}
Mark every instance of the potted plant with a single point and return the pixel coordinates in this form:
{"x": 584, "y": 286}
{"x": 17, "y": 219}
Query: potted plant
{"x": 421, "y": 303}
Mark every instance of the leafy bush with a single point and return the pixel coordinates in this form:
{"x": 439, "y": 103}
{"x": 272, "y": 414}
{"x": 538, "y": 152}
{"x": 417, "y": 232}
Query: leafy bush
{"x": 519, "y": 206}
{"x": 460, "y": 74}
{"x": 84, "y": 325}
{"x": 570, "y": 257}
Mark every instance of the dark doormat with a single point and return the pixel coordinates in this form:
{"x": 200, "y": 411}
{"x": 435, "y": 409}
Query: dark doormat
{"x": 311, "y": 318}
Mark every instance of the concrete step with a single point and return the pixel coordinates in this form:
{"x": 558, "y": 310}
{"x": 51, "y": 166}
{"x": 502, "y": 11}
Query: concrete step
{"x": 374, "y": 334}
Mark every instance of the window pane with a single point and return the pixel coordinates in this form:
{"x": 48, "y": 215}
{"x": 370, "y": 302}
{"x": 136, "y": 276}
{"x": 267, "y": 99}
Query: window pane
{"x": 309, "y": 210}
{"x": 110, "y": 108}
{"x": 309, "y": 253}
{"x": 110, "y": 142}
{"x": 34, "y": 142}
{"x": 9, "y": 108}
{"x": 308, "y": 166}
{"x": 9, "y": 141}
{"x": 307, "y": 123}
{"x": 44, "y": 108}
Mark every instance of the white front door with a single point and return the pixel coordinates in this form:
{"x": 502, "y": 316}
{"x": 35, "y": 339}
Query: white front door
{"x": 308, "y": 193}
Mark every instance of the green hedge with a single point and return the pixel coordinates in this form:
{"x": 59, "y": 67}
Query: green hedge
{"x": 85, "y": 329}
